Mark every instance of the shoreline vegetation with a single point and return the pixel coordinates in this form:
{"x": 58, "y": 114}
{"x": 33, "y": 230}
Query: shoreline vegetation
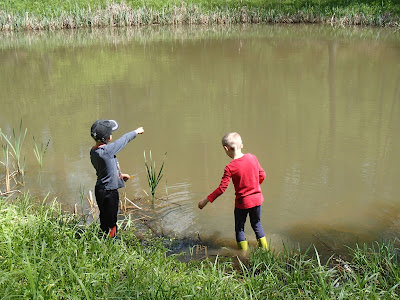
{"x": 54, "y": 14}
{"x": 49, "y": 254}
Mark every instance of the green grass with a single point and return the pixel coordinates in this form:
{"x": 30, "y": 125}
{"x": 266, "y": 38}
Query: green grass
{"x": 48, "y": 254}
{"x": 53, "y": 14}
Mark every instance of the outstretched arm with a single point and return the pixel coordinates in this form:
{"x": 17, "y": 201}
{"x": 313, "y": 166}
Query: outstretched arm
{"x": 222, "y": 186}
{"x": 118, "y": 145}
{"x": 218, "y": 191}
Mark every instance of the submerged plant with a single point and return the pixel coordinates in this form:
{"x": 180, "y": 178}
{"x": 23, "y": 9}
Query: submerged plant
{"x": 152, "y": 177}
{"x": 40, "y": 151}
{"x": 15, "y": 145}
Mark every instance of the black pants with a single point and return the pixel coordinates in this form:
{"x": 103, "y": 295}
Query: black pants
{"x": 255, "y": 222}
{"x": 107, "y": 201}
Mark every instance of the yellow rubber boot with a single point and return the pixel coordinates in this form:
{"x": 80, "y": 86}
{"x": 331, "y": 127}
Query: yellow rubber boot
{"x": 262, "y": 243}
{"x": 243, "y": 245}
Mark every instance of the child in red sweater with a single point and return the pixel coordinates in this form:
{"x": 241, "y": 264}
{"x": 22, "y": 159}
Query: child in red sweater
{"x": 247, "y": 175}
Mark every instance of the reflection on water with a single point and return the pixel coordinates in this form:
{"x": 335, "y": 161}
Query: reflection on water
{"x": 319, "y": 106}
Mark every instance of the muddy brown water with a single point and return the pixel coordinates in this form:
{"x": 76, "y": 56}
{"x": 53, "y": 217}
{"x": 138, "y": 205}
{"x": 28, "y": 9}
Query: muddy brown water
{"x": 319, "y": 106}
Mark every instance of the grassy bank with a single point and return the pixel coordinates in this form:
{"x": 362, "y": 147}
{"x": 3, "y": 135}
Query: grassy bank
{"x": 55, "y": 14}
{"x": 45, "y": 253}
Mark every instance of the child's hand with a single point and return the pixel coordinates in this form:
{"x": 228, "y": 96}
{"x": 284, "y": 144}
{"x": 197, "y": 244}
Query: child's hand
{"x": 203, "y": 203}
{"x": 125, "y": 177}
{"x": 140, "y": 130}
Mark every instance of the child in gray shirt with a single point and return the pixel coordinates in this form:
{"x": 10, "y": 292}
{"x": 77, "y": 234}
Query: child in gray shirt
{"x": 109, "y": 176}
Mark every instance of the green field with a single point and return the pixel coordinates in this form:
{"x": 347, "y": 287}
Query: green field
{"x": 53, "y": 14}
{"x": 48, "y": 254}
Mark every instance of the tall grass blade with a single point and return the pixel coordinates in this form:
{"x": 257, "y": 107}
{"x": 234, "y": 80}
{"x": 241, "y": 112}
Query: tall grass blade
{"x": 31, "y": 277}
{"x": 78, "y": 279}
{"x": 6, "y": 167}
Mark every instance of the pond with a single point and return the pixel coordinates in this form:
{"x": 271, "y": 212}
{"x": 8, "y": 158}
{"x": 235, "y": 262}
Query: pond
{"x": 318, "y": 105}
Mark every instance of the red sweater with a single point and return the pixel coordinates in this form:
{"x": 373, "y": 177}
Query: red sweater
{"x": 247, "y": 175}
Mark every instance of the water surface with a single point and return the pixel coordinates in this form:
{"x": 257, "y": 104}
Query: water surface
{"x": 319, "y": 107}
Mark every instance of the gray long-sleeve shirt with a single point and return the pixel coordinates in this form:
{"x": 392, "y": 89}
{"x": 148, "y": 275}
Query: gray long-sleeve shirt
{"x": 106, "y": 164}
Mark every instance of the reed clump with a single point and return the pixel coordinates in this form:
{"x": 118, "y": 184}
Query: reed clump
{"x": 14, "y": 160}
{"x": 90, "y": 14}
{"x": 153, "y": 178}
{"x": 14, "y": 144}
{"x": 40, "y": 151}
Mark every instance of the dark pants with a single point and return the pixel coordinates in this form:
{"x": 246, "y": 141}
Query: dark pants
{"x": 107, "y": 201}
{"x": 255, "y": 221}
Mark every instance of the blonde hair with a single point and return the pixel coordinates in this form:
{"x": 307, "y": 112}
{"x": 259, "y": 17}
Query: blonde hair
{"x": 232, "y": 140}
